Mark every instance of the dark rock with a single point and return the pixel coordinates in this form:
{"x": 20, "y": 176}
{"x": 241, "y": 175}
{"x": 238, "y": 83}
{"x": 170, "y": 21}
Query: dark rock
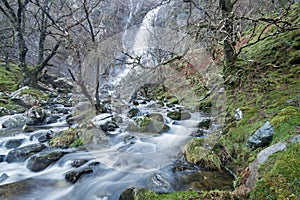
{"x": 159, "y": 184}
{"x": 36, "y": 115}
{"x": 74, "y": 175}
{"x": 79, "y": 163}
{"x": 41, "y": 135}
{"x": 179, "y": 115}
{"x": 198, "y": 133}
{"x": 156, "y": 116}
{"x": 262, "y": 136}
{"x": 75, "y": 119}
{"x": 109, "y": 126}
{"x": 3, "y": 177}
{"x": 181, "y": 164}
{"x": 63, "y": 85}
{"x": 21, "y": 154}
{"x": 93, "y": 164}
{"x": 51, "y": 119}
{"x": 13, "y": 143}
{"x": 13, "y": 121}
{"x": 133, "y": 112}
{"x": 45, "y": 138}
{"x": 204, "y": 124}
{"x": 42, "y": 160}
{"x": 2, "y": 157}
{"x": 128, "y": 194}
{"x": 147, "y": 125}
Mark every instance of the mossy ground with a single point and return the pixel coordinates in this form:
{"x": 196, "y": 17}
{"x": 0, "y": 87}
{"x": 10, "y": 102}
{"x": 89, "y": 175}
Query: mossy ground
{"x": 9, "y": 79}
{"x": 265, "y": 86}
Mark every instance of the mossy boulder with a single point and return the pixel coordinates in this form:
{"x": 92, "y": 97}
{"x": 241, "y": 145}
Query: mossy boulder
{"x": 204, "y": 124}
{"x": 133, "y": 112}
{"x": 179, "y": 115}
{"x": 65, "y": 139}
{"x": 147, "y": 125}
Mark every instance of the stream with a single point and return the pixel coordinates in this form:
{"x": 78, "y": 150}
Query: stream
{"x": 121, "y": 158}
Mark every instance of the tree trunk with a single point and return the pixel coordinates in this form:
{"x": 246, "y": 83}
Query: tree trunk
{"x": 228, "y": 46}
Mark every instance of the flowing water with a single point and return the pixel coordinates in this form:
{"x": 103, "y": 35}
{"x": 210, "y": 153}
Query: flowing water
{"x": 124, "y": 160}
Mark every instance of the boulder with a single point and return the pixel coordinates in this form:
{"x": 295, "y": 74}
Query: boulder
{"x": 14, "y": 143}
{"x": 74, "y": 175}
{"x": 64, "y": 139}
{"x": 3, "y": 177}
{"x": 204, "y": 124}
{"x": 156, "y": 116}
{"x": 63, "y": 85}
{"x": 261, "y": 136}
{"x": 101, "y": 119}
{"x": 42, "y": 160}
{"x": 128, "y": 194}
{"x": 179, "y": 115}
{"x": 262, "y": 157}
{"x": 133, "y": 112}
{"x": 147, "y": 125}
{"x": 13, "y": 121}
{"x": 2, "y": 157}
{"x": 109, "y": 126}
{"x": 28, "y": 97}
{"x": 159, "y": 184}
{"x": 36, "y": 115}
{"x": 79, "y": 162}
{"x": 21, "y": 154}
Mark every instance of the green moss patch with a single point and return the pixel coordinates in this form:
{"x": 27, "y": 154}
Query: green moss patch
{"x": 281, "y": 176}
{"x": 67, "y": 138}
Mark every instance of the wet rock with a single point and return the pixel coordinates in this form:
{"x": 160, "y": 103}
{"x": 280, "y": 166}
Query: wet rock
{"x": 45, "y": 138}
{"x": 101, "y": 119}
{"x": 3, "y": 177}
{"x": 179, "y": 115}
{"x": 79, "y": 163}
{"x": 36, "y": 115}
{"x": 156, "y": 116}
{"x": 198, "y": 133}
{"x": 74, "y": 175}
{"x": 75, "y": 119}
{"x": 133, "y": 112}
{"x": 147, "y": 125}
{"x": 109, "y": 126}
{"x": 2, "y": 157}
{"x": 262, "y": 136}
{"x": 128, "y": 194}
{"x": 14, "y": 143}
{"x": 159, "y": 184}
{"x": 181, "y": 165}
{"x": 21, "y": 154}
{"x": 51, "y": 119}
{"x": 13, "y": 121}
{"x": 204, "y": 124}
{"x": 40, "y": 134}
{"x": 42, "y": 160}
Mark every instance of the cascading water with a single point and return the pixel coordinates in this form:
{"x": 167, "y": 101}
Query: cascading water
{"x": 122, "y": 158}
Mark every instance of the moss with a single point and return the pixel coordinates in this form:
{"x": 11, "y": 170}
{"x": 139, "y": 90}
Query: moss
{"x": 77, "y": 143}
{"x": 197, "y": 152}
{"x": 35, "y": 93}
{"x": 281, "y": 176}
{"x": 9, "y": 80}
{"x": 65, "y": 139}
{"x": 143, "y": 194}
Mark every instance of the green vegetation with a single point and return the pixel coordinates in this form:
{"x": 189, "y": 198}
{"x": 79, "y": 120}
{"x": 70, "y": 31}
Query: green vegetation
{"x": 68, "y": 138}
{"x": 9, "y": 80}
{"x": 281, "y": 176}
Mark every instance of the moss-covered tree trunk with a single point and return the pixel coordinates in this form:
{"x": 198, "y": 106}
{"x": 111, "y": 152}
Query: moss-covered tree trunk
{"x": 229, "y": 42}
